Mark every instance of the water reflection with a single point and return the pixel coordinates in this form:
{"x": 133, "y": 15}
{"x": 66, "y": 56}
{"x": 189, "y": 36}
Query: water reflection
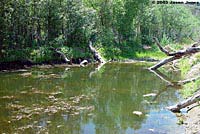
{"x": 115, "y": 91}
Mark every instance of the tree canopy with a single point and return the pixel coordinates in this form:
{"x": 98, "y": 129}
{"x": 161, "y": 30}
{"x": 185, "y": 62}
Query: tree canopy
{"x": 116, "y": 26}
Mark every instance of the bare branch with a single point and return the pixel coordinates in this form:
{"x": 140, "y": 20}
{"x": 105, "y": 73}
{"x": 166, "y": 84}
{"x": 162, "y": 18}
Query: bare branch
{"x": 189, "y": 80}
{"x": 160, "y": 47}
{"x": 185, "y": 103}
{"x": 175, "y": 55}
{"x": 64, "y": 57}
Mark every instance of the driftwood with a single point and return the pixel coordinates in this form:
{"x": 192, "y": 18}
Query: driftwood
{"x": 185, "y": 103}
{"x": 97, "y": 55}
{"x": 83, "y": 63}
{"x": 61, "y": 54}
{"x": 175, "y": 55}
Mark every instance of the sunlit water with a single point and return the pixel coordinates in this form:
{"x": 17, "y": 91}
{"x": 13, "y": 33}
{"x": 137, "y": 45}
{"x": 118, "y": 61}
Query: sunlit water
{"x": 85, "y": 101}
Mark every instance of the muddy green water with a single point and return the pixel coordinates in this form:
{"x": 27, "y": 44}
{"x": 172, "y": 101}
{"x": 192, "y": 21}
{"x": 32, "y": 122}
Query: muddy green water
{"x": 81, "y": 101}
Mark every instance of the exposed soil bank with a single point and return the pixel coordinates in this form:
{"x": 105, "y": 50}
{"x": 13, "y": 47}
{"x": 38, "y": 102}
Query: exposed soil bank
{"x": 16, "y": 65}
{"x": 192, "y": 120}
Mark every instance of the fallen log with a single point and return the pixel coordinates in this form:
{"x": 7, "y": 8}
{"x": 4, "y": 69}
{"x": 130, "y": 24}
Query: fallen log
{"x": 175, "y": 55}
{"x": 163, "y": 62}
{"x": 83, "y": 63}
{"x": 61, "y": 54}
{"x": 185, "y": 103}
{"x": 97, "y": 55}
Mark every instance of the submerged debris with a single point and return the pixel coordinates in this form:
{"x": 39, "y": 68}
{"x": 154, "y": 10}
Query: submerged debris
{"x": 26, "y": 74}
{"x": 149, "y": 95}
{"x": 36, "y": 115}
{"x": 14, "y": 106}
{"x": 66, "y": 69}
{"x": 8, "y": 97}
{"x": 152, "y": 130}
{"x": 46, "y": 76}
{"x": 60, "y": 126}
{"x": 55, "y": 105}
{"x": 83, "y": 63}
{"x": 37, "y": 91}
{"x": 138, "y": 113}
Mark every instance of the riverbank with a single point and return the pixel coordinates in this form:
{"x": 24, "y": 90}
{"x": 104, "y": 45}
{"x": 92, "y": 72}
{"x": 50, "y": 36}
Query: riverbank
{"x": 24, "y": 64}
{"x": 21, "y": 65}
{"x": 192, "y": 121}
{"x": 191, "y": 70}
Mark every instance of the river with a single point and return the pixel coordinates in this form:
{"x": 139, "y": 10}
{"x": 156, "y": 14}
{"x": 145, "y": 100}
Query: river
{"x": 87, "y": 101}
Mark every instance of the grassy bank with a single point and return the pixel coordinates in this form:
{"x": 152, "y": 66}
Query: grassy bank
{"x": 189, "y": 69}
{"x": 45, "y": 54}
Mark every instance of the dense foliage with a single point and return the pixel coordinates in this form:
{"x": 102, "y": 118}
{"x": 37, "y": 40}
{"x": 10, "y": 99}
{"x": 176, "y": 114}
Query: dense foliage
{"x": 28, "y": 28}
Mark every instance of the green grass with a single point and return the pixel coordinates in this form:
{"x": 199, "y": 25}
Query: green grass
{"x": 190, "y": 88}
{"x": 128, "y": 52}
{"x": 184, "y": 66}
{"x": 150, "y": 54}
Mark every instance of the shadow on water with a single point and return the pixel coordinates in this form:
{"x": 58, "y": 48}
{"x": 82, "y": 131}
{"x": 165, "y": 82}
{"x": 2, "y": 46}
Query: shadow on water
{"x": 62, "y": 100}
